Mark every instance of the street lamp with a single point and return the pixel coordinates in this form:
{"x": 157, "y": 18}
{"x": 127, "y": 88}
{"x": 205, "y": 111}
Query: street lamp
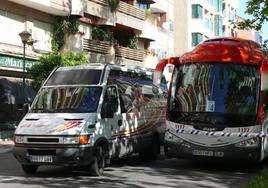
{"x": 25, "y": 36}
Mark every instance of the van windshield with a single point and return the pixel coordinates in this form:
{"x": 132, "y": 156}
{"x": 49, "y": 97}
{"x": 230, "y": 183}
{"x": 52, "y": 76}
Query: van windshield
{"x": 67, "y": 100}
{"x": 215, "y": 94}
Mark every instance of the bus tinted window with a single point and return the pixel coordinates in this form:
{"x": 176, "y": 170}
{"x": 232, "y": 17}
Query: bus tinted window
{"x": 223, "y": 93}
{"x": 75, "y": 77}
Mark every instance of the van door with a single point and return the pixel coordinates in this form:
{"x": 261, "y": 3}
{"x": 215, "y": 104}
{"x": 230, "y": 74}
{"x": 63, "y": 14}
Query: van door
{"x": 111, "y": 118}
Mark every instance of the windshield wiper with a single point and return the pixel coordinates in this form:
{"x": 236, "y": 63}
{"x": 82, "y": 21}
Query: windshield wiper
{"x": 65, "y": 110}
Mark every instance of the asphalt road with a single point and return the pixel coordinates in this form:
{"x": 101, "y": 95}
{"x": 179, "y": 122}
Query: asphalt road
{"x": 129, "y": 172}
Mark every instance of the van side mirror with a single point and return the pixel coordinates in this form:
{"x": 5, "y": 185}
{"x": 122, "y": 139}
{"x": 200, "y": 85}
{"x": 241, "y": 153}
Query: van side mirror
{"x": 25, "y": 108}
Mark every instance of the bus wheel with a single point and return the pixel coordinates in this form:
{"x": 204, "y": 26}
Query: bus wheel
{"x": 98, "y": 163}
{"x": 29, "y": 169}
{"x": 150, "y": 153}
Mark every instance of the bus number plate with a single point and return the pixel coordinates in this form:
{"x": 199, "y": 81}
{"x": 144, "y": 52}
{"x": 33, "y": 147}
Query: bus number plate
{"x": 208, "y": 153}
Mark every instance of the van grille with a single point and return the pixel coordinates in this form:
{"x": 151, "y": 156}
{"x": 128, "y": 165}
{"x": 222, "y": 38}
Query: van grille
{"x": 45, "y": 140}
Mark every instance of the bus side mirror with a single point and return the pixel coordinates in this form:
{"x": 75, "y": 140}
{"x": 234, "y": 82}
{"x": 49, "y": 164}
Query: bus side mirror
{"x": 25, "y": 108}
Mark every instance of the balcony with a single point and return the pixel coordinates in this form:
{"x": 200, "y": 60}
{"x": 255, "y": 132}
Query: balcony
{"x": 103, "y": 47}
{"x": 54, "y": 7}
{"x": 128, "y": 53}
{"x": 126, "y": 14}
{"x": 96, "y": 46}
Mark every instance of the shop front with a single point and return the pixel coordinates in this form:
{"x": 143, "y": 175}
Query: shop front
{"x": 13, "y": 93}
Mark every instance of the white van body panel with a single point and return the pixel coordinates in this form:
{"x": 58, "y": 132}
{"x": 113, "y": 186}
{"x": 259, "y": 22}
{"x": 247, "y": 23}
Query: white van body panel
{"x": 54, "y": 124}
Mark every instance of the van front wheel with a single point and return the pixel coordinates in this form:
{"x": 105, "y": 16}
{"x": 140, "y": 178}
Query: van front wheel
{"x": 98, "y": 163}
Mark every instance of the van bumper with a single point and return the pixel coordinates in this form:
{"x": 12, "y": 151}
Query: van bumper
{"x": 62, "y": 156}
{"x": 191, "y": 151}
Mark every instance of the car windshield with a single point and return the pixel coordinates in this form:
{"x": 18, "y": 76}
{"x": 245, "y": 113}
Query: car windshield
{"x": 215, "y": 93}
{"x": 67, "y": 100}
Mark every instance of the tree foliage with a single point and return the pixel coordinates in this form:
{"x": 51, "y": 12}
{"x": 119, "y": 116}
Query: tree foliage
{"x": 61, "y": 27}
{"x": 47, "y": 62}
{"x": 258, "y": 9}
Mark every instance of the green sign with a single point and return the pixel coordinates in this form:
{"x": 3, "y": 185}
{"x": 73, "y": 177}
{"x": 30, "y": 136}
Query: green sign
{"x": 15, "y": 62}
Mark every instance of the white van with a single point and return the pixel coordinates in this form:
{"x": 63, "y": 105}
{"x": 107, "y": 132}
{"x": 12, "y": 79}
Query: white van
{"x": 88, "y": 114}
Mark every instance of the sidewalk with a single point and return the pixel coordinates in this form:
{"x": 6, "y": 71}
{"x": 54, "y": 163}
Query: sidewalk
{"x": 6, "y": 146}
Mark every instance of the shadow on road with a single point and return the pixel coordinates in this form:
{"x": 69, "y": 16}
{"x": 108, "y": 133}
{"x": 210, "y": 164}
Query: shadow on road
{"x": 132, "y": 172}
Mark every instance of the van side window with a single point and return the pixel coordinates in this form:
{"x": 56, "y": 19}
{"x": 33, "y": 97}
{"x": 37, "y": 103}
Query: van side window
{"x": 110, "y": 103}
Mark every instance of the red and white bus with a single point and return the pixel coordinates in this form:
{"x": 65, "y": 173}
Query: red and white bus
{"x": 217, "y": 105}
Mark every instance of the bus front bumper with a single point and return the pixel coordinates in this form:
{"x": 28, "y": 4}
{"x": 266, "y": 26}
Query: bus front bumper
{"x": 191, "y": 151}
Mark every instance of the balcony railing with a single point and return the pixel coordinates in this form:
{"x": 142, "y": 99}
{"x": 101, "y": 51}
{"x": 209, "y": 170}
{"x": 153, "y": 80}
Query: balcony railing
{"x": 96, "y": 46}
{"x": 125, "y": 8}
{"x": 102, "y": 47}
{"x": 128, "y": 53}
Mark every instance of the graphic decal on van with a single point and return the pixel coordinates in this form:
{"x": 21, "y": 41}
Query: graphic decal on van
{"x": 65, "y": 126}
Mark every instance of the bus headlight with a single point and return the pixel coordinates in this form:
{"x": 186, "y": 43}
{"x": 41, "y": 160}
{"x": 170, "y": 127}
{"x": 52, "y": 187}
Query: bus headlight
{"x": 19, "y": 139}
{"x": 253, "y": 142}
{"x": 172, "y": 138}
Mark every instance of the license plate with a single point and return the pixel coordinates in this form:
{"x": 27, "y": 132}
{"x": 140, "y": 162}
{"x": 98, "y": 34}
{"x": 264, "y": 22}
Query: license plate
{"x": 41, "y": 159}
{"x": 202, "y": 153}
{"x": 208, "y": 153}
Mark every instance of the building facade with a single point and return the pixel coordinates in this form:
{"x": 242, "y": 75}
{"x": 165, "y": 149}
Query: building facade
{"x": 118, "y": 32}
{"x": 201, "y": 20}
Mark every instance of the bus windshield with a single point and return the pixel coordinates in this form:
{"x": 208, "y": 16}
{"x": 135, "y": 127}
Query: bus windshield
{"x": 67, "y": 100}
{"x": 224, "y": 94}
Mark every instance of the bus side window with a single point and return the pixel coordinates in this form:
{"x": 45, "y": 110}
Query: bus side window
{"x": 110, "y": 103}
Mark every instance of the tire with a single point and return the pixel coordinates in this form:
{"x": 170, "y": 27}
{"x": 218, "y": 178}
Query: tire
{"x": 150, "y": 153}
{"x": 29, "y": 169}
{"x": 98, "y": 163}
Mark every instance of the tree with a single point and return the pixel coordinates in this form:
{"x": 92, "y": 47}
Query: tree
{"x": 47, "y": 62}
{"x": 258, "y": 9}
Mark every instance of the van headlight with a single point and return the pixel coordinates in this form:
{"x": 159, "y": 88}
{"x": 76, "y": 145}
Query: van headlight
{"x": 253, "y": 142}
{"x": 19, "y": 139}
{"x": 71, "y": 140}
{"x": 83, "y": 139}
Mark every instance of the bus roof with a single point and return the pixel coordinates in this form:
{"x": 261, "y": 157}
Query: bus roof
{"x": 226, "y": 49}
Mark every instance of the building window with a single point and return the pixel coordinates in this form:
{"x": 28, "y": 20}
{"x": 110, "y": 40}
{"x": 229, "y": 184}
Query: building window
{"x": 207, "y": 23}
{"x": 218, "y": 6}
{"x": 143, "y": 6}
{"x": 196, "y": 38}
{"x": 42, "y": 32}
{"x": 218, "y": 25}
{"x": 197, "y": 11}
{"x": 171, "y": 25}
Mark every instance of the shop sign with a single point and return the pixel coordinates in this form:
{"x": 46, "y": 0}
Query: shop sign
{"x": 15, "y": 62}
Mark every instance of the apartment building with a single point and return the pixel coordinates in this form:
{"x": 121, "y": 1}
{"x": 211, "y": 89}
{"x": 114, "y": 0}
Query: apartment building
{"x": 198, "y": 20}
{"x": 110, "y": 32}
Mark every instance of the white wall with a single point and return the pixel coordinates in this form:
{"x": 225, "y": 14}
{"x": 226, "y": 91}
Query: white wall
{"x": 11, "y": 25}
